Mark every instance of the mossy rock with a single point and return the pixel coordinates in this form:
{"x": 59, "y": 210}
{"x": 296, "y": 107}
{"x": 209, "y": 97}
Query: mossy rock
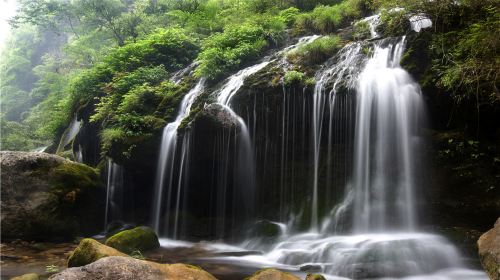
{"x": 315, "y": 277}
{"x": 489, "y": 251}
{"x": 89, "y": 251}
{"x": 29, "y": 276}
{"x": 45, "y": 197}
{"x": 137, "y": 239}
{"x": 270, "y": 274}
{"x": 127, "y": 268}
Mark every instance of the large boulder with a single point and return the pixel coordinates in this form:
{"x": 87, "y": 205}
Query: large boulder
{"x": 89, "y": 251}
{"x": 272, "y": 274}
{"x": 489, "y": 251}
{"x": 136, "y": 239}
{"x": 46, "y": 197}
{"x": 127, "y": 268}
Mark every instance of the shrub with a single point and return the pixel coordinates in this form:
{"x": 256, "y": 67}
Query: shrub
{"x": 315, "y": 52}
{"x": 226, "y": 51}
{"x": 289, "y": 15}
{"x": 327, "y": 19}
{"x": 293, "y": 77}
{"x": 361, "y": 30}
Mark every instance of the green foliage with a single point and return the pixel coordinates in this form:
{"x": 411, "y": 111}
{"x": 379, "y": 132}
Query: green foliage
{"x": 327, "y": 19}
{"x": 394, "y": 22}
{"x": 226, "y": 51}
{"x": 315, "y": 52}
{"x": 289, "y": 15}
{"x": 361, "y": 30}
{"x": 293, "y": 77}
{"x": 51, "y": 268}
{"x": 475, "y": 69}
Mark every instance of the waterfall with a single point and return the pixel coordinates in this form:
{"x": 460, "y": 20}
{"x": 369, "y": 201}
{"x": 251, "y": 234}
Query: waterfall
{"x": 69, "y": 134}
{"x": 328, "y": 81}
{"x": 379, "y": 198}
{"x": 114, "y": 194}
{"x": 166, "y": 161}
{"x": 389, "y": 107}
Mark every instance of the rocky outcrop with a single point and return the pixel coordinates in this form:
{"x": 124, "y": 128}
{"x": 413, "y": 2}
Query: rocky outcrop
{"x": 216, "y": 116}
{"x": 137, "y": 239}
{"x": 89, "y": 251}
{"x": 489, "y": 251}
{"x": 272, "y": 274}
{"x": 127, "y": 268}
{"x": 46, "y": 197}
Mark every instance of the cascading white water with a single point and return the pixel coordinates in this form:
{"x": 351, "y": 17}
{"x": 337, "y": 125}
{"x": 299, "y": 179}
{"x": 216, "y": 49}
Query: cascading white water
{"x": 389, "y": 107}
{"x": 70, "y": 133}
{"x": 327, "y": 82}
{"x": 114, "y": 193}
{"x": 382, "y": 191}
{"x": 166, "y": 160}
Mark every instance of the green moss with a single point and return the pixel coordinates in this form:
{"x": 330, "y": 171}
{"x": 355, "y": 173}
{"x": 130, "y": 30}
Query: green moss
{"x": 89, "y": 251}
{"x": 361, "y": 30}
{"x": 315, "y": 277}
{"x": 293, "y": 77}
{"x": 137, "y": 239}
{"x": 315, "y": 52}
{"x": 75, "y": 176}
{"x": 29, "y": 276}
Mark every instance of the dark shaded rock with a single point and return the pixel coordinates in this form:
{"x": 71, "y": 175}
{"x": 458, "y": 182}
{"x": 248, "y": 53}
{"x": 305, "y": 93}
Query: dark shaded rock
{"x": 45, "y": 197}
{"x": 272, "y": 274}
{"x": 217, "y": 116}
{"x": 127, "y": 268}
{"x": 137, "y": 239}
{"x": 266, "y": 229}
{"x": 89, "y": 251}
{"x": 489, "y": 251}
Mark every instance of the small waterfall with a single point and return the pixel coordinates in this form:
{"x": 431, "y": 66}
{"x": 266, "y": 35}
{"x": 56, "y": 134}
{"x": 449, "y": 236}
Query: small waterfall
{"x": 166, "y": 160}
{"x": 380, "y": 198}
{"x": 114, "y": 194}
{"x": 69, "y": 134}
{"x": 387, "y": 139}
{"x": 342, "y": 72}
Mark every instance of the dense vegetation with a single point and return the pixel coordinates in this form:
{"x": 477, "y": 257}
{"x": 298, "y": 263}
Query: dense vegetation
{"x": 117, "y": 56}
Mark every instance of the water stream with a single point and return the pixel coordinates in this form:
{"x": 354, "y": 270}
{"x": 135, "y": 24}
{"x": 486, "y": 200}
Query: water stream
{"x": 372, "y": 230}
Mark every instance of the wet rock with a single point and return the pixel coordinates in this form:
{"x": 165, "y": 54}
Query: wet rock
{"x": 489, "y": 251}
{"x": 267, "y": 229}
{"x": 315, "y": 277}
{"x": 272, "y": 274}
{"x": 45, "y": 197}
{"x": 127, "y": 268}
{"x": 29, "y": 276}
{"x": 137, "y": 239}
{"x": 217, "y": 116}
{"x": 89, "y": 251}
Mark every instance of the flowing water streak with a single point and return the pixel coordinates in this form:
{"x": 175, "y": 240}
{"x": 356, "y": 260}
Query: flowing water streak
{"x": 114, "y": 193}
{"x": 70, "y": 133}
{"x": 390, "y": 106}
{"x": 381, "y": 254}
{"x": 165, "y": 172}
{"x": 327, "y": 82}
